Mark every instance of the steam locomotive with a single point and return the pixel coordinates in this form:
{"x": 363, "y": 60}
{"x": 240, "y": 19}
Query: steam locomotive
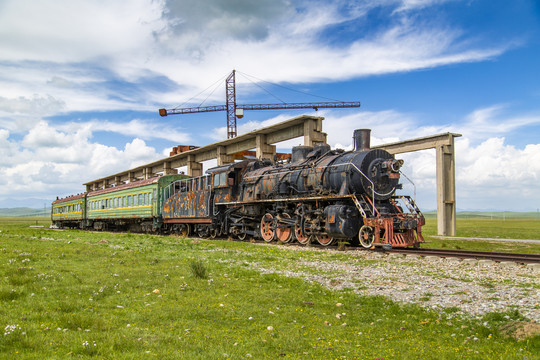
{"x": 319, "y": 195}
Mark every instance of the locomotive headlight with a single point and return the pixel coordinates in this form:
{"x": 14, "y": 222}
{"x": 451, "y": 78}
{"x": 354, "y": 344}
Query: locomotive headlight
{"x": 397, "y": 164}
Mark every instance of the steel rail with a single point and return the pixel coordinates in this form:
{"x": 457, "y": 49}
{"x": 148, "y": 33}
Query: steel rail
{"x": 469, "y": 254}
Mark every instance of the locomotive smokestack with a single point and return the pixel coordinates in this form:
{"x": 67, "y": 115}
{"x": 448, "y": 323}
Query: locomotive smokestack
{"x": 361, "y": 139}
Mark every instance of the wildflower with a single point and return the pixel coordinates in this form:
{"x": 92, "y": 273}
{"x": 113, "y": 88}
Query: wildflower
{"x": 270, "y": 328}
{"x": 9, "y": 329}
{"x": 156, "y": 291}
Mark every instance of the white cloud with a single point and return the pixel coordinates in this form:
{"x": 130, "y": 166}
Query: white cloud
{"x": 75, "y": 51}
{"x": 146, "y": 129}
{"x": 75, "y": 31}
{"x": 49, "y": 161}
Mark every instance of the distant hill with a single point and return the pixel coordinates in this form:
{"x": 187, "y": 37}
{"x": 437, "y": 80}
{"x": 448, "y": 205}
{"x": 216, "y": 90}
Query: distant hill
{"x": 490, "y": 215}
{"x": 24, "y": 211}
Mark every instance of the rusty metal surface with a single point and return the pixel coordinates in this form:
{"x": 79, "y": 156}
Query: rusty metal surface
{"x": 188, "y": 204}
{"x": 187, "y": 221}
{"x": 68, "y": 198}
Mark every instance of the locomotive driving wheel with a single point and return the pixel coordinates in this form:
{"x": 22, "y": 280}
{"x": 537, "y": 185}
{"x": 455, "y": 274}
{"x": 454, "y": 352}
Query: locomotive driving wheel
{"x": 300, "y": 236}
{"x": 267, "y": 227}
{"x": 284, "y": 232}
{"x": 325, "y": 239}
{"x": 366, "y": 236}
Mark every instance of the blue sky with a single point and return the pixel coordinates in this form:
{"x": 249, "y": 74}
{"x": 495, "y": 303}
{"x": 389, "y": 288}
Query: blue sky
{"x": 81, "y": 82}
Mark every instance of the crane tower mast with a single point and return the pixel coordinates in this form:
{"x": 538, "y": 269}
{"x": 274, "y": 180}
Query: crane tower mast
{"x": 236, "y": 110}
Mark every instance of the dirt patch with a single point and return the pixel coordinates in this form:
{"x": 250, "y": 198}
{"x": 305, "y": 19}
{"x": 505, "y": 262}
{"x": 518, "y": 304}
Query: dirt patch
{"x": 521, "y": 330}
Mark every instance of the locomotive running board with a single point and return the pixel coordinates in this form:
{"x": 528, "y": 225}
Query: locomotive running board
{"x": 287, "y": 200}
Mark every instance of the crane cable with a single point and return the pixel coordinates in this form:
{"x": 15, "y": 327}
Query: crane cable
{"x": 215, "y": 85}
{"x": 281, "y": 86}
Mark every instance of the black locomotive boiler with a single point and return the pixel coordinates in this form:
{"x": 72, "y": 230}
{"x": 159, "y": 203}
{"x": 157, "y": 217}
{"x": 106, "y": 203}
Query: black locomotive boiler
{"x": 320, "y": 195}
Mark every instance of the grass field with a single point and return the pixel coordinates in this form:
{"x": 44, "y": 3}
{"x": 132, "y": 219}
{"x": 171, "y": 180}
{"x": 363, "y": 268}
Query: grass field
{"x": 73, "y": 294}
{"x": 486, "y": 227}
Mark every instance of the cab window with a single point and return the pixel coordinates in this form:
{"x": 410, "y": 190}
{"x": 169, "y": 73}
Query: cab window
{"x": 220, "y": 179}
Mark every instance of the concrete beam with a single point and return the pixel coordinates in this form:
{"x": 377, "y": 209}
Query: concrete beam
{"x": 422, "y": 143}
{"x": 283, "y": 131}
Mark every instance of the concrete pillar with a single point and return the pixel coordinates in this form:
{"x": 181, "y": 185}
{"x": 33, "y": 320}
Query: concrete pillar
{"x": 147, "y": 173}
{"x": 106, "y": 184}
{"x": 222, "y": 157}
{"x": 167, "y": 169}
{"x": 313, "y": 132}
{"x": 117, "y": 181}
{"x": 446, "y": 190}
{"x": 194, "y": 168}
{"x": 131, "y": 176}
{"x": 263, "y": 150}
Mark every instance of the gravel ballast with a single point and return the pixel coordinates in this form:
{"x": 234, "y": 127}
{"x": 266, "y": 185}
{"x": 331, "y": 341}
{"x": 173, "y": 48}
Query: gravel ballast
{"x": 474, "y": 287}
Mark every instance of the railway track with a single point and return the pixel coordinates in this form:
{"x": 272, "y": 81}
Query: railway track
{"x": 469, "y": 254}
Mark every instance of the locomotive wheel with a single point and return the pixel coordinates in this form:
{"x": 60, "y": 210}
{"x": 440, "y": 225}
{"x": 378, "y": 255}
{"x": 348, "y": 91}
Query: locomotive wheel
{"x": 366, "y": 236}
{"x": 325, "y": 239}
{"x": 267, "y": 227}
{"x": 242, "y": 236}
{"x": 300, "y": 236}
{"x": 184, "y": 230}
{"x": 203, "y": 231}
{"x": 213, "y": 233}
{"x": 284, "y": 233}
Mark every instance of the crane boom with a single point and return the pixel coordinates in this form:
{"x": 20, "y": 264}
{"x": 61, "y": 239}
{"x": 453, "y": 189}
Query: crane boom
{"x": 314, "y": 105}
{"x": 231, "y": 107}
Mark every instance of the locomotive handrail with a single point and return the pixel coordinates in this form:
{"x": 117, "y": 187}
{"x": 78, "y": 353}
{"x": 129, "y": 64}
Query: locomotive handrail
{"x": 413, "y": 184}
{"x": 368, "y": 179}
{"x": 192, "y": 181}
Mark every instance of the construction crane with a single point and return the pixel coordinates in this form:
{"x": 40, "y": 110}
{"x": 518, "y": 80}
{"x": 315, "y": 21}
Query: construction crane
{"x": 235, "y": 110}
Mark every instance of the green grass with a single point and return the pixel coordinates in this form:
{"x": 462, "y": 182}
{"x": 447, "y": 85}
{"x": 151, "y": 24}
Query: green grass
{"x": 485, "y": 227}
{"x": 74, "y": 294}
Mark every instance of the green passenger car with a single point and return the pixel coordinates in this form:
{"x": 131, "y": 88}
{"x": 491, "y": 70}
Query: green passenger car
{"x": 135, "y": 206}
{"x": 69, "y": 212}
